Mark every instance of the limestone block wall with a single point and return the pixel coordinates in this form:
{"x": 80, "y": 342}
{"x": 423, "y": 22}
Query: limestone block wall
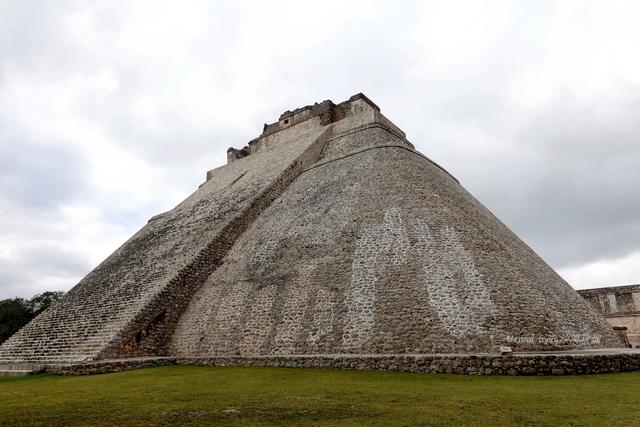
{"x": 620, "y": 305}
{"x": 375, "y": 249}
{"x": 130, "y": 302}
{"x": 579, "y": 363}
{"x": 614, "y": 300}
{"x": 328, "y": 234}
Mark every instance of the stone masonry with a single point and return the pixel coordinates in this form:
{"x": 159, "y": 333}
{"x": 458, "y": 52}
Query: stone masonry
{"x": 620, "y": 305}
{"x": 329, "y": 235}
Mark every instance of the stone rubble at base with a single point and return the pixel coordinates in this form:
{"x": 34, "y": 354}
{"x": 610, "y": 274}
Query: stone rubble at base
{"x": 579, "y": 363}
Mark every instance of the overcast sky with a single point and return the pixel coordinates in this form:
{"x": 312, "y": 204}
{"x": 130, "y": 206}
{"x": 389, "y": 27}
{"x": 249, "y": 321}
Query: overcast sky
{"x": 112, "y": 112}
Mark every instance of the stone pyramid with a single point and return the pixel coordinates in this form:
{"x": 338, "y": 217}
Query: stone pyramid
{"x": 328, "y": 234}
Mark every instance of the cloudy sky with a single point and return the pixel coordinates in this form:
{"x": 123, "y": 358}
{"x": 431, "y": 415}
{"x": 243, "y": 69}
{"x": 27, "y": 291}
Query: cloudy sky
{"x": 111, "y": 112}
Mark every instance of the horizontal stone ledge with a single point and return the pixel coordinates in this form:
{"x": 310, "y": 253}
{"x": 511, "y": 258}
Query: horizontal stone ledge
{"x": 552, "y": 363}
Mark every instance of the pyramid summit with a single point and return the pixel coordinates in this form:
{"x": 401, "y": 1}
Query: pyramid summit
{"x": 327, "y": 236}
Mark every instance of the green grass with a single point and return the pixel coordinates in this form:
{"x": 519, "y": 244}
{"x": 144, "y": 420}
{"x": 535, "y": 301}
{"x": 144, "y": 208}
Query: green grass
{"x": 258, "y": 396}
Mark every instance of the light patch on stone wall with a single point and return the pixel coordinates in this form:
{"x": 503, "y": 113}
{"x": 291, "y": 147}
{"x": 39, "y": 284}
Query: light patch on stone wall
{"x": 452, "y": 283}
{"x": 379, "y": 246}
{"x": 259, "y": 321}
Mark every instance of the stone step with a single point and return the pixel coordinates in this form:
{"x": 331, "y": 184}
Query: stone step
{"x": 16, "y": 372}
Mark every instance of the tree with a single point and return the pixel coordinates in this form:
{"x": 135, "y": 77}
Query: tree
{"x": 14, "y": 314}
{"x": 17, "y": 312}
{"x": 41, "y": 302}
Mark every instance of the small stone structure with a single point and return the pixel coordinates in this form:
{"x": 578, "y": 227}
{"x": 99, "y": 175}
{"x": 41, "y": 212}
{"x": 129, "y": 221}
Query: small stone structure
{"x": 620, "y": 305}
{"x": 326, "y": 241}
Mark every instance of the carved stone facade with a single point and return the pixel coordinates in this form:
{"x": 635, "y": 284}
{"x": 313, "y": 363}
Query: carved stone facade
{"x": 329, "y": 234}
{"x": 620, "y": 305}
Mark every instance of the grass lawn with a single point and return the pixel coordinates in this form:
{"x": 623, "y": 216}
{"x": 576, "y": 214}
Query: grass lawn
{"x": 259, "y": 396}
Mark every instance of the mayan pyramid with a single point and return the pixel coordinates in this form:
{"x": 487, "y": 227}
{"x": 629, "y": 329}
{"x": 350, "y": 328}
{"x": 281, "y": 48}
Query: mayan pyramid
{"x": 327, "y": 234}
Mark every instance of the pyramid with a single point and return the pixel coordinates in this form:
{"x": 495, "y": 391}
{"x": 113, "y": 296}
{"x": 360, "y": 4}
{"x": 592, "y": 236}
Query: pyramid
{"x": 328, "y": 234}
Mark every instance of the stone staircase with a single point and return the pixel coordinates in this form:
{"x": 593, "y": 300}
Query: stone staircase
{"x": 136, "y": 294}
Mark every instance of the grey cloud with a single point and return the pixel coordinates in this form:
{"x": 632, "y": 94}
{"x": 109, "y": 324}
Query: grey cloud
{"x": 41, "y": 269}
{"x": 562, "y": 175}
{"x": 37, "y": 175}
{"x": 33, "y": 37}
{"x": 570, "y": 190}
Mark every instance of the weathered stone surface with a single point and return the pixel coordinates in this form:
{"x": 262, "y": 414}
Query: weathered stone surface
{"x": 620, "y": 305}
{"x": 141, "y": 288}
{"x": 577, "y": 363}
{"x": 327, "y": 241}
{"x": 377, "y": 250}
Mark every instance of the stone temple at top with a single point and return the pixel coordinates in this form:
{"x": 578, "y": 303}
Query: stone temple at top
{"x": 328, "y": 234}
